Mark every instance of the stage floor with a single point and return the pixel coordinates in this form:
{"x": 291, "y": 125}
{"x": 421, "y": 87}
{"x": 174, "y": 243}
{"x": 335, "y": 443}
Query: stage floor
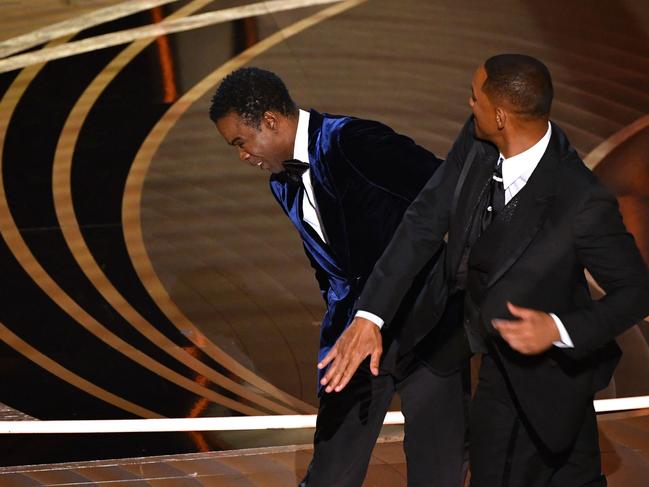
{"x": 624, "y": 442}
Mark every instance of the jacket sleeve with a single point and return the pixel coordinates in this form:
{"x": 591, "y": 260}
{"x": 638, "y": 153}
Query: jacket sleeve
{"x": 418, "y": 237}
{"x": 386, "y": 159}
{"x": 610, "y": 254}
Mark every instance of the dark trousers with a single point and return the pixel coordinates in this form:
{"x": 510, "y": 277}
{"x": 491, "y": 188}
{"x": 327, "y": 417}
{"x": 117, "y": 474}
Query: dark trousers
{"x": 505, "y": 452}
{"x": 349, "y": 423}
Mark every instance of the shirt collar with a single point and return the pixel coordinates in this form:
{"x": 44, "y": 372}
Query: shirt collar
{"x": 301, "y": 146}
{"x": 523, "y": 164}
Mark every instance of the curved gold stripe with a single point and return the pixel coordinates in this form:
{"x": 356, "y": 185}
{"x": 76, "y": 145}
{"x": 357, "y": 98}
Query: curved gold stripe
{"x": 62, "y": 192}
{"x": 17, "y": 246}
{"x": 153, "y": 30}
{"x": 76, "y": 24}
{"x": 24, "y": 348}
{"x": 23, "y": 255}
{"x": 131, "y": 217}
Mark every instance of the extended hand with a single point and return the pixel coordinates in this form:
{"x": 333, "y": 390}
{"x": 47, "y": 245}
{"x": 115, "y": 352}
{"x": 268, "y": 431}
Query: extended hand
{"x": 533, "y": 333}
{"x": 360, "y": 339}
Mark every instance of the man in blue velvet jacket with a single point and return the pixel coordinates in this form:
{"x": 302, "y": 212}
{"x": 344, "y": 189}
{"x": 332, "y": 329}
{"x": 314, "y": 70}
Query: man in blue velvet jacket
{"x": 345, "y": 184}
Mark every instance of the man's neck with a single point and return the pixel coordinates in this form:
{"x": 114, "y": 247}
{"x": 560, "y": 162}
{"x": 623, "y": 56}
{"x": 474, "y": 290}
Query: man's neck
{"x": 521, "y": 137}
{"x": 291, "y": 135}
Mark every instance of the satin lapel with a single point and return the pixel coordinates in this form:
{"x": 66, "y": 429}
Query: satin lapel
{"x": 476, "y": 183}
{"x": 331, "y": 213}
{"x": 505, "y": 241}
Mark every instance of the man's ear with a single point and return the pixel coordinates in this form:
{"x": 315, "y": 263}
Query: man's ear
{"x": 501, "y": 118}
{"x": 271, "y": 120}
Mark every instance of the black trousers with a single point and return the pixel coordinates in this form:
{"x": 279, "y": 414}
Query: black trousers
{"x": 350, "y": 421}
{"x": 505, "y": 452}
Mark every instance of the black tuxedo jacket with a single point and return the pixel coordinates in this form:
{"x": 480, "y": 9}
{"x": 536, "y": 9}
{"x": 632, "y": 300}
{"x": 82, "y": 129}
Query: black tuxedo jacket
{"x": 533, "y": 255}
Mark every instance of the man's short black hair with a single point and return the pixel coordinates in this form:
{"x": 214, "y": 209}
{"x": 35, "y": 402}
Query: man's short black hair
{"x": 522, "y": 81}
{"x": 249, "y": 92}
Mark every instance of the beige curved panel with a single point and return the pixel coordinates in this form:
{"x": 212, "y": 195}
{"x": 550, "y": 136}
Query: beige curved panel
{"x": 62, "y": 192}
{"x": 131, "y": 208}
{"x": 24, "y": 256}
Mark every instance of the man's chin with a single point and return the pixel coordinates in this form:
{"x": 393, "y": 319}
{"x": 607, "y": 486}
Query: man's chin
{"x": 264, "y": 166}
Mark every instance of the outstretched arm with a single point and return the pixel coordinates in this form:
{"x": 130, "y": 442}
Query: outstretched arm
{"x": 416, "y": 240}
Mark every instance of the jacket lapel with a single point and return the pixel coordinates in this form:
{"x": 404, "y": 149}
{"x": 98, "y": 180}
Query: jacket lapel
{"x": 503, "y": 243}
{"x": 470, "y": 196}
{"x": 331, "y": 213}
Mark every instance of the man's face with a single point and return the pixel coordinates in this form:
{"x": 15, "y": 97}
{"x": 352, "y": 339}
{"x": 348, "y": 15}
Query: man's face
{"x": 484, "y": 110}
{"x": 263, "y": 148}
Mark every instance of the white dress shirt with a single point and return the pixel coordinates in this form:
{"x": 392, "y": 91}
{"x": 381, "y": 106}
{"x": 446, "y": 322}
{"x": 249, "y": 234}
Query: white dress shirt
{"x": 310, "y": 212}
{"x": 516, "y": 171}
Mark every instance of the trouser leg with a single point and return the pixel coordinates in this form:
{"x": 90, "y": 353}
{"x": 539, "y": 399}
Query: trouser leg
{"x": 582, "y": 467}
{"x": 434, "y": 408}
{"x": 501, "y": 453}
{"x": 504, "y": 453}
{"x": 347, "y": 427}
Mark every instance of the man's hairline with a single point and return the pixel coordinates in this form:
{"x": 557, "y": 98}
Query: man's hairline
{"x": 506, "y": 104}
{"x": 245, "y": 121}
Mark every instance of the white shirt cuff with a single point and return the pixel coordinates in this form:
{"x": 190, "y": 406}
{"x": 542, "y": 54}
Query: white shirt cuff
{"x": 370, "y": 316}
{"x": 565, "y": 341}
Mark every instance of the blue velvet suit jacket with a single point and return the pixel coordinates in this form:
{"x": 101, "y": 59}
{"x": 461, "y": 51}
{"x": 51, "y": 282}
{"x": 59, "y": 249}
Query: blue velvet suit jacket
{"x": 364, "y": 177}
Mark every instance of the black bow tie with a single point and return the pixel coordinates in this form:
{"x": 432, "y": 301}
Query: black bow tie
{"x": 294, "y": 169}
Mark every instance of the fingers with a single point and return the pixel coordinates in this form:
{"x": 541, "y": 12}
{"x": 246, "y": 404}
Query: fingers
{"x": 522, "y": 336}
{"x": 347, "y": 375}
{"x": 506, "y": 332}
{"x": 343, "y": 369}
{"x": 375, "y": 360}
{"x": 498, "y": 324}
{"x": 338, "y": 370}
{"x": 512, "y": 334}
{"x": 519, "y": 311}
{"x": 327, "y": 377}
{"x": 511, "y": 328}
{"x": 333, "y": 353}
{"x": 353, "y": 346}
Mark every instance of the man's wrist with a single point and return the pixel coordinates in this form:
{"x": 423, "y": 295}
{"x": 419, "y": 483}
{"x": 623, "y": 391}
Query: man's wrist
{"x": 564, "y": 338}
{"x": 371, "y": 317}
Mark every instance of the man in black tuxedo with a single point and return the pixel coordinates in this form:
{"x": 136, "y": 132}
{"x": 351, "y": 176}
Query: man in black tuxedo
{"x": 524, "y": 218}
{"x": 334, "y": 178}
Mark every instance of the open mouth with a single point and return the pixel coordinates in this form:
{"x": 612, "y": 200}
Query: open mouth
{"x": 259, "y": 163}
